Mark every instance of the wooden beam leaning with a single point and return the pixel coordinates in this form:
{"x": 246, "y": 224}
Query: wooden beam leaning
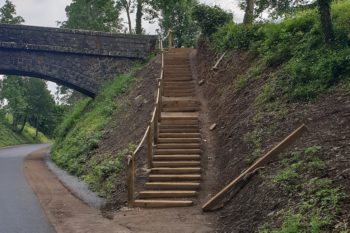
{"x": 260, "y": 162}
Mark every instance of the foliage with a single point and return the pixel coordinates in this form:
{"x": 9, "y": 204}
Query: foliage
{"x": 10, "y": 138}
{"x": 304, "y": 65}
{"x": 7, "y": 137}
{"x": 210, "y": 18}
{"x": 8, "y": 14}
{"x": 177, "y": 16}
{"x": 318, "y": 201}
{"x": 29, "y": 100}
{"x": 80, "y": 132}
{"x": 103, "y": 174}
{"x": 97, "y": 15}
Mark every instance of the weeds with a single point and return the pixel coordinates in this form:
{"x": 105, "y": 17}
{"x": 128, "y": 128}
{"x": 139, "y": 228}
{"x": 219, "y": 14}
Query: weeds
{"x": 317, "y": 200}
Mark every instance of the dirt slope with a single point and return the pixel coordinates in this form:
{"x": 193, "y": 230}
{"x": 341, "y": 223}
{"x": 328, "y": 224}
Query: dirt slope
{"x": 245, "y": 130}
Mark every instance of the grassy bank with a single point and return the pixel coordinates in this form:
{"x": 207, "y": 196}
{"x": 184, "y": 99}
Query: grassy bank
{"x": 81, "y": 131}
{"x": 274, "y": 77}
{"x": 10, "y": 138}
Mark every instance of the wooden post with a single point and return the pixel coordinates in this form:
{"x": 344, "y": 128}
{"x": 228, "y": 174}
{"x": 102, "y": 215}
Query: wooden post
{"x": 131, "y": 179}
{"x": 155, "y": 127}
{"x": 260, "y": 162}
{"x": 149, "y": 148}
{"x": 170, "y": 39}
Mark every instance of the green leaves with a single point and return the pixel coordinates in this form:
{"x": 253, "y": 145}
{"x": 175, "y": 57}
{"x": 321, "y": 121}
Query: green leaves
{"x": 210, "y": 18}
{"x": 96, "y": 15}
{"x": 8, "y": 14}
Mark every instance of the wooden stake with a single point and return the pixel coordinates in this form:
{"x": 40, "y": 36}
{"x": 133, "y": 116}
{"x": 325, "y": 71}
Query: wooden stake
{"x": 260, "y": 162}
{"x": 149, "y": 148}
{"x": 131, "y": 174}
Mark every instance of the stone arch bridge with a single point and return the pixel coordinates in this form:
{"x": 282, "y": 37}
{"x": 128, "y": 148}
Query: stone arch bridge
{"x": 81, "y": 60}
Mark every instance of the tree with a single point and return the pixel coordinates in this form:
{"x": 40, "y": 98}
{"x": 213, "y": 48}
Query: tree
{"x": 8, "y": 14}
{"x": 210, "y": 18}
{"x": 139, "y": 14}
{"x": 96, "y": 15}
{"x": 176, "y": 15}
{"x": 127, "y": 5}
{"x": 249, "y": 12}
{"x": 324, "y": 7}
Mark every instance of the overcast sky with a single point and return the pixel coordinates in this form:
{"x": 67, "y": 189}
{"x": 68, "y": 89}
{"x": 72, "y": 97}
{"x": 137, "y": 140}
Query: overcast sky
{"x": 48, "y": 12}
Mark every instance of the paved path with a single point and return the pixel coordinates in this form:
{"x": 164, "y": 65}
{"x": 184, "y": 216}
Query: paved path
{"x": 20, "y": 211}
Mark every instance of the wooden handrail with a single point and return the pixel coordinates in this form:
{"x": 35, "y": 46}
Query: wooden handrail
{"x": 151, "y": 133}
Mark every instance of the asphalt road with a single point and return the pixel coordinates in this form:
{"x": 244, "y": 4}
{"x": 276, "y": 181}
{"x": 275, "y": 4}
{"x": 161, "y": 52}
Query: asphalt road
{"x": 20, "y": 211}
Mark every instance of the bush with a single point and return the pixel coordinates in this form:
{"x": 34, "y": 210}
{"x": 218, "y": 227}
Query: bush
{"x": 210, "y": 18}
{"x": 303, "y": 65}
{"x": 235, "y": 36}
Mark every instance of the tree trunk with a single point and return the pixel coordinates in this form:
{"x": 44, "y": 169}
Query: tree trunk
{"x": 139, "y": 15}
{"x": 14, "y": 122}
{"x": 23, "y": 125}
{"x": 249, "y": 12}
{"x": 324, "y": 7}
{"x": 127, "y": 8}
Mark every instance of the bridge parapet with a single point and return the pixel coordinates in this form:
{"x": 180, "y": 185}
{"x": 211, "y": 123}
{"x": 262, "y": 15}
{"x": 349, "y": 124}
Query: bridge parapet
{"x": 76, "y": 41}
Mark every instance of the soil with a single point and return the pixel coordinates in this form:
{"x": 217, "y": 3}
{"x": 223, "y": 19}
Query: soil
{"x": 128, "y": 126}
{"x": 68, "y": 214}
{"x": 234, "y": 112}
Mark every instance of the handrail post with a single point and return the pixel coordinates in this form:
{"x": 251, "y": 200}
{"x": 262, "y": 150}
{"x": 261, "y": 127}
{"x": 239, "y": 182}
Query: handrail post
{"x": 131, "y": 179}
{"x": 170, "y": 39}
{"x": 155, "y": 127}
{"x": 149, "y": 147}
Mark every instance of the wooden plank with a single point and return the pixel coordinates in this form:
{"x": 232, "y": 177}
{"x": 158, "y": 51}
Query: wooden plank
{"x": 260, "y": 162}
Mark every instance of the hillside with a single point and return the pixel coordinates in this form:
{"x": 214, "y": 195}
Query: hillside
{"x": 273, "y": 78}
{"x": 10, "y": 138}
{"x": 96, "y": 136}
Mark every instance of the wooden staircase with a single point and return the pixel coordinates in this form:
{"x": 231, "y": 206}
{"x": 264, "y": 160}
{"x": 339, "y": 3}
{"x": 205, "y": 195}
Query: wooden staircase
{"x": 175, "y": 176}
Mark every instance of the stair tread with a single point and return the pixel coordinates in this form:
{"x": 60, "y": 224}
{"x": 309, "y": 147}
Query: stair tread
{"x": 176, "y": 157}
{"x": 161, "y": 203}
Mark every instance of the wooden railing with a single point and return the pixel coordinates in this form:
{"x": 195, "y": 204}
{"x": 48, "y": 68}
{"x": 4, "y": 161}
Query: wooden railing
{"x": 151, "y": 134}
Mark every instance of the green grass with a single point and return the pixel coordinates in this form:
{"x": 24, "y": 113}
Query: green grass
{"x": 81, "y": 131}
{"x": 317, "y": 200}
{"x": 10, "y": 138}
{"x": 302, "y": 65}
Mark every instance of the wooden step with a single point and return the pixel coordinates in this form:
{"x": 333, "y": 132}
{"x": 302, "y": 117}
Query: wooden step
{"x": 180, "y": 116}
{"x": 176, "y": 157}
{"x": 177, "y": 140}
{"x": 178, "y": 146}
{"x": 180, "y": 130}
{"x": 172, "y": 185}
{"x": 176, "y": 163}
{"x": 167, "y": 194}
{"x": 192, "y": 177}
{"x": 183, "y": 109}
{"x": 161, "y": 203}
{"x": 178, "y": 83}
{"x": 179, "y": 135}
{"x": 179, "y": 89}
{"x": 176, "y": 126}
{"x": 177, "y": 151}
{"x": 176, "y": 170}
{"x": 179, "y": 94}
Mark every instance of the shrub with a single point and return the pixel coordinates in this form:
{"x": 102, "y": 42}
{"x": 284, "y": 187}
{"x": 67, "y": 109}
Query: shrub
{"x": 210, "y": 18}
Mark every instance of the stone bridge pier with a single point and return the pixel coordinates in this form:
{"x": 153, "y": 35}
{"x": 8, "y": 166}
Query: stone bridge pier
{"x": 81, "y": 60}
